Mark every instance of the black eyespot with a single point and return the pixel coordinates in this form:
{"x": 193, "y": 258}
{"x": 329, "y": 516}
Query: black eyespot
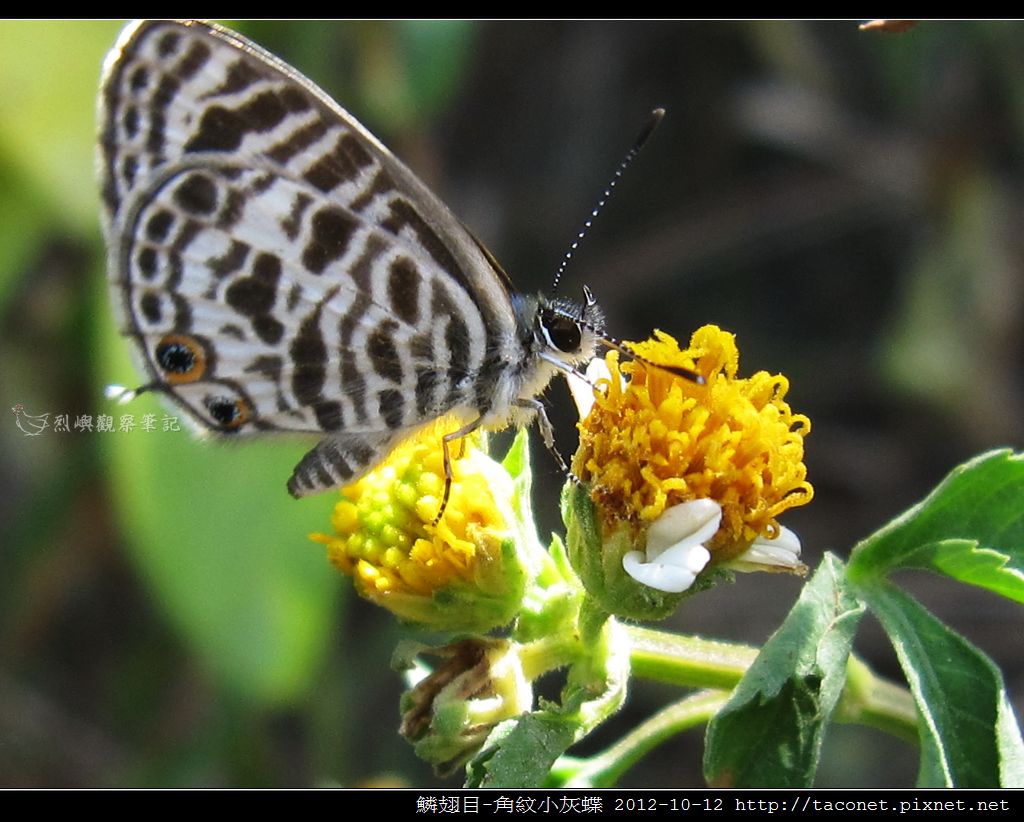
{"x": 231, "y": 414}
{"x": 176, "y": 357}
{"x": 562, "y": 332}
{"x": 181, "y": 357}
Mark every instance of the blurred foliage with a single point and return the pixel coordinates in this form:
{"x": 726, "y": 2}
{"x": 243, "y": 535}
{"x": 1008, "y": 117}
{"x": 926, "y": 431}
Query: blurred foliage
{"x": 847, "y": 202}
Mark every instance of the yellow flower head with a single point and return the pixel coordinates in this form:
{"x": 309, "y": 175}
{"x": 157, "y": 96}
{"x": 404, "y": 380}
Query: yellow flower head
{"x": 659, "y": 439}
{"x": 462, "y": 573}
{"x": 688, "y": 471}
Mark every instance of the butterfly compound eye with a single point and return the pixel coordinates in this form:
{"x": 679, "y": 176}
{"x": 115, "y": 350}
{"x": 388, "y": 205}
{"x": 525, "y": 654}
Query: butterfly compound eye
{"x": 563, "y": 333}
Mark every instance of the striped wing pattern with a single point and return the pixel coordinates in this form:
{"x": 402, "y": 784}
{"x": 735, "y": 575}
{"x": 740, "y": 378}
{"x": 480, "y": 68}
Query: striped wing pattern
{"x": 278, "y": 269}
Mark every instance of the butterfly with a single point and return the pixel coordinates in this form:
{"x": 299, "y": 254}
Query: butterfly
{"x": 277, "y": 269}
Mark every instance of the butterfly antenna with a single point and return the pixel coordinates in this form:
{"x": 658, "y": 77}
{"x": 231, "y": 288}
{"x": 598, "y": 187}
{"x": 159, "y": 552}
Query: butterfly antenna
{"x": 677, "y": 370}
{"x": 619, "y": 345}
{"x": 627, "y": 161}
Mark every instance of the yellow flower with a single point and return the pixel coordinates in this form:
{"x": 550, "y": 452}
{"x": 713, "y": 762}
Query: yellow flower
{"x": 462, "y": 574}
{"x": 654, "y": 444}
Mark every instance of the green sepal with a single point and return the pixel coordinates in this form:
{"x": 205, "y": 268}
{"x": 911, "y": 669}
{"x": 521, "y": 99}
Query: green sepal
{"x": 597, "y": 559}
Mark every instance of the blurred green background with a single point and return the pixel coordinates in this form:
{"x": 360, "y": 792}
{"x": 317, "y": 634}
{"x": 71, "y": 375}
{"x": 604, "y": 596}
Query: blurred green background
{"x": 849, "y": 203}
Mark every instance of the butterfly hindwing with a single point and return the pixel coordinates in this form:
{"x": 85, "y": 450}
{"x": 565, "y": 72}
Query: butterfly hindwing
{"x": 315, "y": 335}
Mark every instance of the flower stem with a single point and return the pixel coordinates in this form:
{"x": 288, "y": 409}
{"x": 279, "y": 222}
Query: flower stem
{"x": 591, "y": 621}
{"x": 604, "y": 769}
{"x": 700, "y": 663}
{"x": 687, "y": 660}
{"x": 870, "y": 700}
{"x": 548, "y": 654}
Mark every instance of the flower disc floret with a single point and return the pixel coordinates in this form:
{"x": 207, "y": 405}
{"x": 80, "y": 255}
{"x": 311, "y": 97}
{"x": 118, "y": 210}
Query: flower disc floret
{"x": 461, "y": 573}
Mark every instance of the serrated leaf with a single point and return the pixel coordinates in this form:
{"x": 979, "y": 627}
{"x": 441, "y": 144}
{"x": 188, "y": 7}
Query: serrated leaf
{"x": 969, "y": 737}
{"x": 970, "y": 528}
{"x": 519, "y": 753}
{"x": 769, "y": 734}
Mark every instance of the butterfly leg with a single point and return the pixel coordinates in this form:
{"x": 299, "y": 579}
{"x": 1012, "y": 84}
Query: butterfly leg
{"x": 547, "y": 432}
{"x": 465, "y": 431}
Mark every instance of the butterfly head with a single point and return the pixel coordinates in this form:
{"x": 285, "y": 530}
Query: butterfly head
{"x": 570, "y": 332}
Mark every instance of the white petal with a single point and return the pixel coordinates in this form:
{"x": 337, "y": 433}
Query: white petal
{"x": 671, "y": 578}
{"x": 781, "y": 552}
{"x": 691, "y": 557}
{"x": 597, "y": 369}
{"x": 687, "y": 524}
{"x": 675, "y": 551}
{"x": 582, "y": 393}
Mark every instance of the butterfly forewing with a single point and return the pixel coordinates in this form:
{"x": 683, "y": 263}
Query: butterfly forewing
{"x": 278, "y": 268}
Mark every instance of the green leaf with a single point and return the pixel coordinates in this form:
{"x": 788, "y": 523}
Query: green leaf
{"x": 519, "y": 752}
{"x": 969, "y": 738}
{"x": 770, "y": 732}
{"x": 222, "y": 546}
{"x": 970, "y": 528}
